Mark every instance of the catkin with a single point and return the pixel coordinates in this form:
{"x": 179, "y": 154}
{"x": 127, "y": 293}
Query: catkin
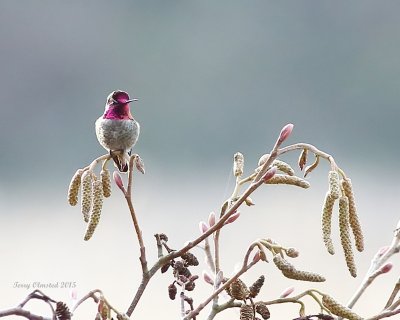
{"x": 86, "y": 197}
{"x": 284, "y": 167}
{"x": 289, "y": 271}
{"x": 238, "y": 164}
{"x": 280, "y": 165}
{"x": 291, "y": 180}
{"x": 345, "y": 234}
{"x": 105, "y": 178}
{"x": 337, "y": 309}
{"x": 327, "y": 222}
{"x": 73, "y": 189}
{"x": 96, "y": 209}
{"x": 353, "y": 217}
{"x": 334, "y": 186}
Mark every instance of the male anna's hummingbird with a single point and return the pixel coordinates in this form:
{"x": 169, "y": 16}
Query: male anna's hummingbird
{"x": 117, "y": 130}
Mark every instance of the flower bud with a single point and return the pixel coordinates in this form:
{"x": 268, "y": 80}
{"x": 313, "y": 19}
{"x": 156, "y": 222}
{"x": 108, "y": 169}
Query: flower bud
{"x": 287, "y": 292}
{"x": 118, "y": 181}
{"x": 292, "y": 252}
{"x": 303, "y": 159}
{"x": 203, "y": 227}
{"x": 256, "y": 257}
{"x": 211, "y": 219}
{"x": 207, "y": 278}
{"x": 382, "y": 251}
{"x": 233, "y": 217}
{"x": 269, "y": 174}
{"x": 285, "y": 132}
{"x": 139, "y": 164}
{"x": 219, "y": 278}
{"x": 386, "y": 267}
{"x": 249, "y": 201}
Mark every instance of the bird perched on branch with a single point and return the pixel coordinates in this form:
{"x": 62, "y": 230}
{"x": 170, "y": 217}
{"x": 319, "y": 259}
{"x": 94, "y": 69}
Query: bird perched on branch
{"x": 117, "y": 130}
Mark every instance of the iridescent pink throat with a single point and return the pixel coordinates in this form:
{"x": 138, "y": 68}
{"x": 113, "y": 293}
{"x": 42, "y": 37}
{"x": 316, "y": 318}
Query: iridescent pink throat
{"x": 118, "y": 112}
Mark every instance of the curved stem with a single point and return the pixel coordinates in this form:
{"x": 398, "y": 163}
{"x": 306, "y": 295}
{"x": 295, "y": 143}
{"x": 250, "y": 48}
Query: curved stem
{"x": 310, "y": 147}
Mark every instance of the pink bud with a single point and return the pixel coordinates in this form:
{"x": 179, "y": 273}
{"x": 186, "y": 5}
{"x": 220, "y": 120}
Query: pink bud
{"x": 207, "y": 278}
{"x": 233, "y": 217}
{"x": 118, "y": 180}
{"x": 219, "y": 278}
{"x": 285, "y": 132}
{"x": 74, "y": 294}
{"x": 211, "y": 218}
{"x": 386, "y": 267}
{"x": 203, "y": 227}
{"x": 382, "y": 251}
{"x": 139, "y": 164}
{"x": 269, "y": 174}
{"x": 287, "y": 292}
{"x": 256, "y": 257}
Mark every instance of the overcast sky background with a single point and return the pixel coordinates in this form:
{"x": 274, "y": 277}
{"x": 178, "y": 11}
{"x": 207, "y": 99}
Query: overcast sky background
{"x": 212, "y": 78}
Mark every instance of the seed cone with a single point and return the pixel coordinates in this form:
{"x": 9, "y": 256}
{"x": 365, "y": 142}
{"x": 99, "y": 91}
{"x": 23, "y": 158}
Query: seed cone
{"x": 246, "y": 312}
{"x": 291, "y": 180}
{"x": 327, "y": 222}
{"x": 96, "y": 209}
{"x": 262, "y": 310}
{"x": 336, "y": 308}
{"x": 62, "y": 311}
{"x": 256, "y": 287}
{"x": 345, "y": 235}
{"x": 86, "y": 197}
{"x": 190, "y": 259}
{"x": 73, "y": 189}
{"x": 105, "y": 178}
{"x": 172, "y": 290}
{"x": 334, "y": 186}
{"x": 238, "y": 290}
{"x": 289, "y": 271}
{"x": 353, "y": 217}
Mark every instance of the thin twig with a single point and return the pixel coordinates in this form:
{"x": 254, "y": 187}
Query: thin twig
{"x": 386, "y": 314}
{"x": 393, "y": 294}
{"x": 92, "y": 294}
{"x": 128, "y": 197}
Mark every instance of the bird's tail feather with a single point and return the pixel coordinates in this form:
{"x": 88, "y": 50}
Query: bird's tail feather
{"x": 120, "y": 159}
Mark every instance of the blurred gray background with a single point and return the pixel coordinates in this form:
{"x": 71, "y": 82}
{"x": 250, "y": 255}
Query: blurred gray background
{"x": 212, "y": 78}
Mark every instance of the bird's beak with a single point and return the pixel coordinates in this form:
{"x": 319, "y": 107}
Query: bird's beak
{"x": 130, "y": 100}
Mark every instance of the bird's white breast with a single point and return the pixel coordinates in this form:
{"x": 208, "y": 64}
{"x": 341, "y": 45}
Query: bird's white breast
{"x": 117, "y": 134}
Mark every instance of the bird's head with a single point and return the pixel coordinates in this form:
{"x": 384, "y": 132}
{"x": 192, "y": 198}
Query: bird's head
{"x": 118, "y": 98}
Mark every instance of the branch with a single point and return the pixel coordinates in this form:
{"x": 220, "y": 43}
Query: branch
{"x": 245, "y": 267}
{"x": 376, "y": 264}
{"x": 128, "y": 197}
{"x": 19, "y": 311}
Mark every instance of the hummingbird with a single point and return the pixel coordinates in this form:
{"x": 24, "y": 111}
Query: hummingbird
{"x": 116, "y": 130}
